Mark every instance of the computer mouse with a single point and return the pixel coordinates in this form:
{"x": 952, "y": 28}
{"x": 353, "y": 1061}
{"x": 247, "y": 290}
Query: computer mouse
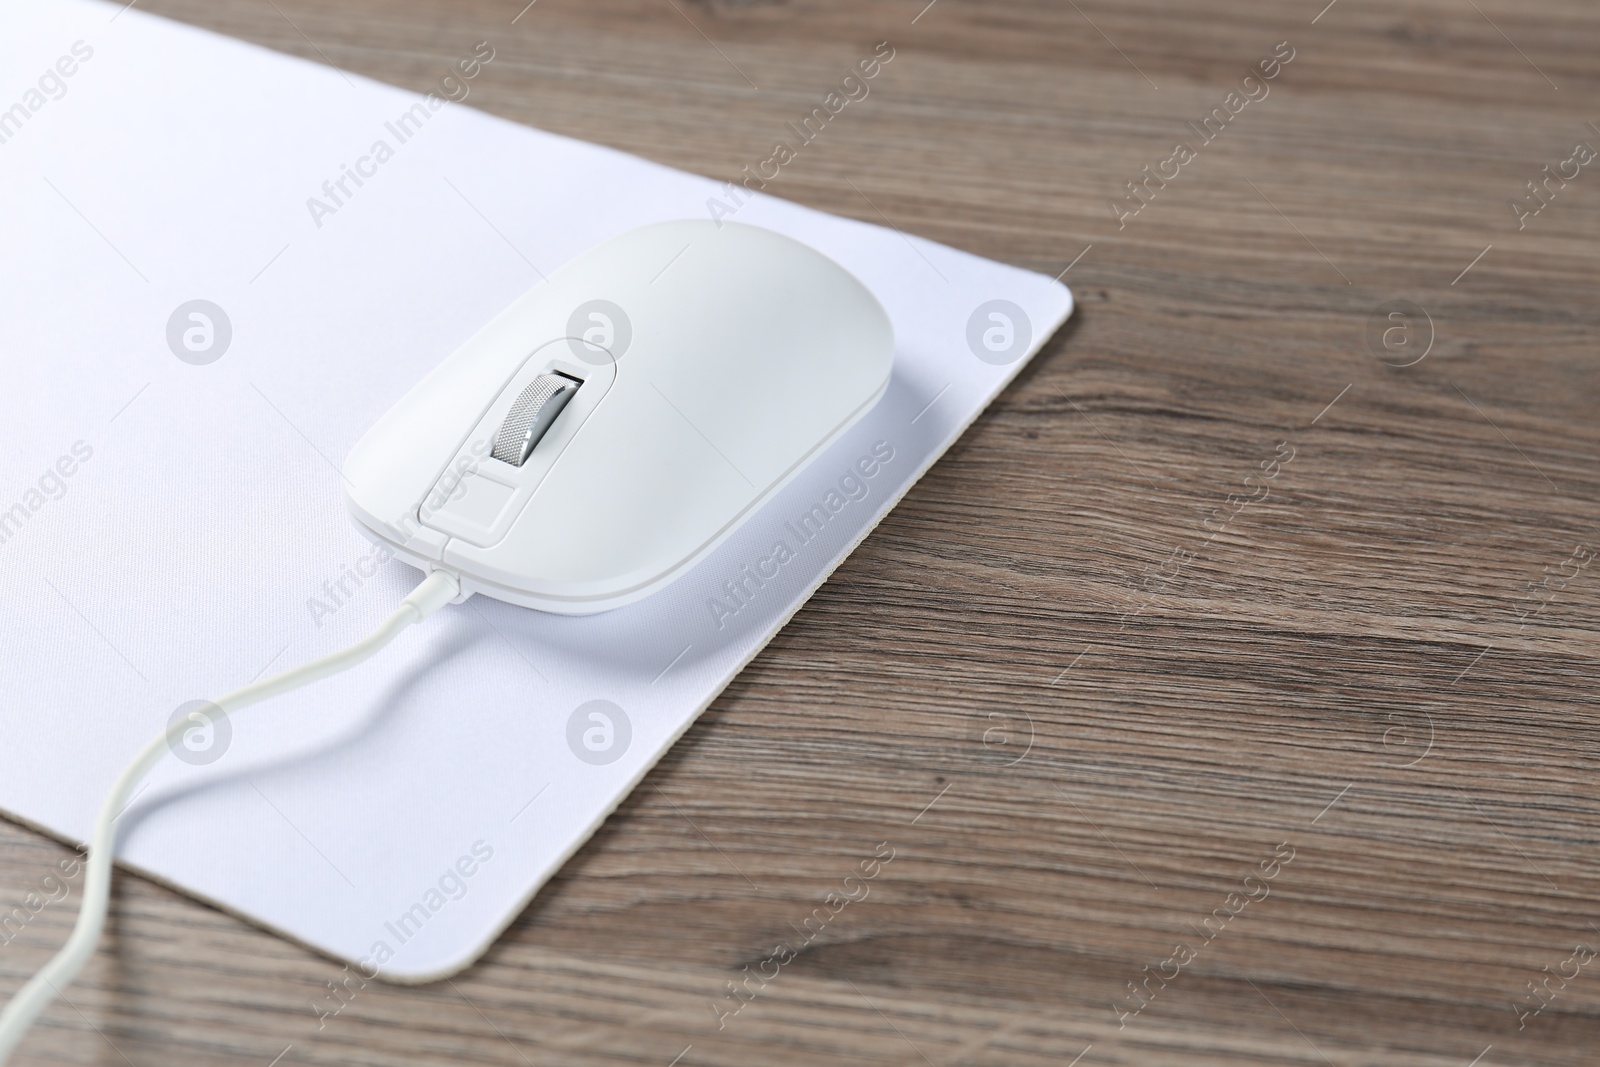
{"x": 618, "y": 421}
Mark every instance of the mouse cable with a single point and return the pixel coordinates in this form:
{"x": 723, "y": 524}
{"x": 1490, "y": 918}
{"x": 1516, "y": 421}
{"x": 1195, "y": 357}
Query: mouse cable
{"x": 436, "y": 590}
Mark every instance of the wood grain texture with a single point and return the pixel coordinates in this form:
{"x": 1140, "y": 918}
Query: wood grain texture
{"x": 1087, "y": 677}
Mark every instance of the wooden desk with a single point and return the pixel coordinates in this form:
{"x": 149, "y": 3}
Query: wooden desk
{"x": 1213, "y": 581}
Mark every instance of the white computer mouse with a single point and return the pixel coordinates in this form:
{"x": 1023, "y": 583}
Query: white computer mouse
{"x": 614, "y": 424}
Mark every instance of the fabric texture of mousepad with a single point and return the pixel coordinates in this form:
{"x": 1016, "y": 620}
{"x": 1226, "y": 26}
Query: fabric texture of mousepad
{"x": 221, "y": 265}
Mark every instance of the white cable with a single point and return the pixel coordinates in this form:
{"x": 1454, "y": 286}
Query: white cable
{"x": 436, "y": 590}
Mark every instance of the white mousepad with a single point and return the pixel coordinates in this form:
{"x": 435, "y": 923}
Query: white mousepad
{"x": 171, "y": 522}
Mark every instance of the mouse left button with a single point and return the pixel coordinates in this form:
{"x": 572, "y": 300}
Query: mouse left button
{"x": 531, "y": 417}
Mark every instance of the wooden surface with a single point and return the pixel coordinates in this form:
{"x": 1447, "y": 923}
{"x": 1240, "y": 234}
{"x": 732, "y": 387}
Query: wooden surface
{"x": 1123, "y": 676}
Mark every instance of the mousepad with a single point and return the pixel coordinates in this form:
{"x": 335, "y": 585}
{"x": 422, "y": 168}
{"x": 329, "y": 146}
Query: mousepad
{"x": 222, "y": 264}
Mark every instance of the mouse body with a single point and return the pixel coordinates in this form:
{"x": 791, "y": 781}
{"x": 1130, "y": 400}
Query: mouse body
{"x": 618, "y": 421}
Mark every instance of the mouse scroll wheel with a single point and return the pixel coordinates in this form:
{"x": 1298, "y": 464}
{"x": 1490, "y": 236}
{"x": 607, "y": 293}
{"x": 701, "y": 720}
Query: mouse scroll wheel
{"x": 531, "y": 417}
